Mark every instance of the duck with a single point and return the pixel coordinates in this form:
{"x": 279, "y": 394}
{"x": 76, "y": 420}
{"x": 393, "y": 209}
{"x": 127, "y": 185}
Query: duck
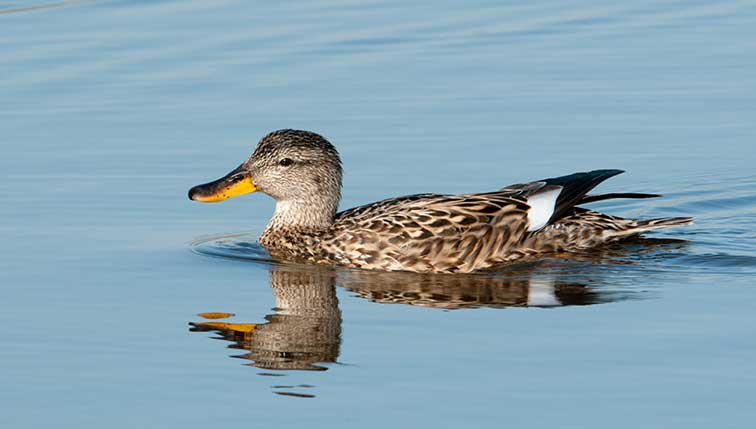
{"x": 422, "y": 233}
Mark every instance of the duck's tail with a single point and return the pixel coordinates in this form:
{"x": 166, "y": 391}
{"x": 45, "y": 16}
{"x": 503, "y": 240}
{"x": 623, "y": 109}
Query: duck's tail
{"x": 636, "y": 227}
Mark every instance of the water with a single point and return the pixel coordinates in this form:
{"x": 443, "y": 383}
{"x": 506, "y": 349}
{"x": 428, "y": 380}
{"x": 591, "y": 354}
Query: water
{"x": 110, "y": 111}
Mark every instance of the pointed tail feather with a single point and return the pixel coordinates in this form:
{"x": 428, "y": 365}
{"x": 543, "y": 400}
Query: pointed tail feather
{"x": 593, "y": 198}
{"x": 641, "y": 226}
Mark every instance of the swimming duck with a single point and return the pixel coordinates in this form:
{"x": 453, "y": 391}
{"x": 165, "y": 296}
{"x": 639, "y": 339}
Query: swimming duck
{"x": 429, "y": 233}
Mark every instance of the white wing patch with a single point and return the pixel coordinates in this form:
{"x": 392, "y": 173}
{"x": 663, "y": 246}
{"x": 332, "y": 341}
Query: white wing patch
{"x": 541, "y": 208}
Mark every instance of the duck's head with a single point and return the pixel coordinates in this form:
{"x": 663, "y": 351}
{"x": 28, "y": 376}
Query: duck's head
{"x": 300, "y": 169}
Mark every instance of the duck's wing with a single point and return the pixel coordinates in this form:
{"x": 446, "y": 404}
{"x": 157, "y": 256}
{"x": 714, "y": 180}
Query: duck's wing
{"x": 555, "y": 197}
{"x": 436, "y": 212}
{"x": 428, "y": 232}
{"x": 566, "y": 192}
{"x": 454, "y": 233}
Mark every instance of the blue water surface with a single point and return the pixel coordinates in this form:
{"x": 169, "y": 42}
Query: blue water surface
{"x": 111, "y": 110}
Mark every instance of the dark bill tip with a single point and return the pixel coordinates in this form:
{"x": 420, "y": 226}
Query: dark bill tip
{"x": 231, "y": 185}
{"x": 194, "y": 193}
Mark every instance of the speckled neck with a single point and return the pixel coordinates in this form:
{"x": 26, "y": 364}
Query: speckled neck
{"x": 300, "y": 214}
{"x": 309, "y": 215}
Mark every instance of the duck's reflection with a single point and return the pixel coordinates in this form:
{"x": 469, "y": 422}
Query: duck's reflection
{"x": 304, "y": 331}
{"x": 451, "y": 292}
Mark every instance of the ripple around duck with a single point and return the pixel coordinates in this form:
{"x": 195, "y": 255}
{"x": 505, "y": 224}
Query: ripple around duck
{"x": 713, "y": 261}
{"x": 241, "y": 246}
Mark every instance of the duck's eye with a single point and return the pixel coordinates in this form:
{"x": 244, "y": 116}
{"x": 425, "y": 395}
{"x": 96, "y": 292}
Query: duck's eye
{"x": 285, "y": 162}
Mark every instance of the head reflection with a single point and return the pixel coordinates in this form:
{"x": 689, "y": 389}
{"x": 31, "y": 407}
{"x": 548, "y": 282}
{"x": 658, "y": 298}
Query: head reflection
{"x": 304, "y": 330}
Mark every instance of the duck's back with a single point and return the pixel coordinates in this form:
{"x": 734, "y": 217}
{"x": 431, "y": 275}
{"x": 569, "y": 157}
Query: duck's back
{"x": 429, "y": 233}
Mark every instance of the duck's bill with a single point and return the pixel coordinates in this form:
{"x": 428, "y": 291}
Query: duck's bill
{"x": 231, "y": 185}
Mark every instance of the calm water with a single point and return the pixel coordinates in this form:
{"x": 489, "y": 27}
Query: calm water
{"x": 111, "y": 110}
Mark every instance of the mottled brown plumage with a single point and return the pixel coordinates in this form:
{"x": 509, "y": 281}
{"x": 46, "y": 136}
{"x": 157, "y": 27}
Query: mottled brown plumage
{"x": 419, "y": 233}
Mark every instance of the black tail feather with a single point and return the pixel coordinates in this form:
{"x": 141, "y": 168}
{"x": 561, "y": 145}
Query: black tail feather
{"x": 574, "y": 189}
{"x": 593, "y": 198}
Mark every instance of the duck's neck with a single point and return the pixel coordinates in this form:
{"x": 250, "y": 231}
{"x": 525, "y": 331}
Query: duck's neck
{"x": 310, "y": 215}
